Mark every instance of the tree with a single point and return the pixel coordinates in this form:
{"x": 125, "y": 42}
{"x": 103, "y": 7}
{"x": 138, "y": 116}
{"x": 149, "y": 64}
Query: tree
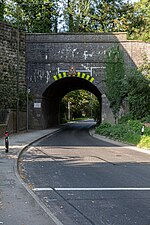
{"x": 40, "y": 16}
{"x": 96, "y": 15}
{"x": 138, "y": 88}
{"x": 110, "y": 16}
{"x": 145, "y": 68}
{"x": 140, "y": 25}
{"x": 77, "y": 14}
{"x": 115, "y": 75}
{"x": 132, "y": 85}
{"x": 79, "y": 100}
{"x": 33, "y": 16}
{"x": 82, "y": 103}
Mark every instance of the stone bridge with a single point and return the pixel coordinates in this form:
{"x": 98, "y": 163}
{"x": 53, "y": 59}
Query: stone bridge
{"x": 59, "y": 63}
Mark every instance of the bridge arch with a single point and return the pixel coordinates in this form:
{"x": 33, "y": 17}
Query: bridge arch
{"x": 49, "y": 55}
{"x": 56, "y": 91}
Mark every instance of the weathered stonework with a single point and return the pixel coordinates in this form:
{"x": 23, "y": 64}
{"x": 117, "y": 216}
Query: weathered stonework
{"x": 8, "y": 51}
{"x": 47, "y": 54}
{"x": 12, "y": 57}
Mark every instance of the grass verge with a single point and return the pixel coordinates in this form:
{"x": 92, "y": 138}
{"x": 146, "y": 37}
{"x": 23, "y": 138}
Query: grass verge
{"x": 129, "y": 132}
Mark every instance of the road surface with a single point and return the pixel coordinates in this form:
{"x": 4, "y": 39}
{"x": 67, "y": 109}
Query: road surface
{"x": 86, "y": 181}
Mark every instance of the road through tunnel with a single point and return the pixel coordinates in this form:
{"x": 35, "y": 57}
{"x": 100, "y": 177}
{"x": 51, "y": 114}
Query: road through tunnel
{"x": 56, "y": 91}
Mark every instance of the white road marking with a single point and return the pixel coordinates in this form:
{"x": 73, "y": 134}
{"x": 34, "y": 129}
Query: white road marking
{"x": 93, "y": 189}
{"x": 42, "y": 189}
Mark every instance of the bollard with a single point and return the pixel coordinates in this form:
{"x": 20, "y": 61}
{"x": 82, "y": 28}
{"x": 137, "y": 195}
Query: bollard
{"x": 6, "y": 141}
{"x": 142, "y": 130}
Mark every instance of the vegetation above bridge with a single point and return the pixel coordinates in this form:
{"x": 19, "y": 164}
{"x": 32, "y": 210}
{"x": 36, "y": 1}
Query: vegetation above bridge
{"x": 45, "y": 16}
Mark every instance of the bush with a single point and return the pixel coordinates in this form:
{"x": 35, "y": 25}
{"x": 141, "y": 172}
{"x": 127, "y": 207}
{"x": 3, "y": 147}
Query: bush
{"x": 146, "y": 119}
{"x": 144, "y": 142}
{"x": 135, "y": 125}
{"x": 104, "y": 129}
{"x": 129, "y": 132}
{"x": 125, "y": 118}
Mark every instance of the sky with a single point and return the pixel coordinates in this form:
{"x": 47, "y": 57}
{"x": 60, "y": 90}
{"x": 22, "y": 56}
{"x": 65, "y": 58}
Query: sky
{"x": 134, "y": 0}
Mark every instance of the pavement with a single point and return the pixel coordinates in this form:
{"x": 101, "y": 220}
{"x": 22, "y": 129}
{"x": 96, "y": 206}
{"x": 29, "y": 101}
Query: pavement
{"x": 18, "y": 205}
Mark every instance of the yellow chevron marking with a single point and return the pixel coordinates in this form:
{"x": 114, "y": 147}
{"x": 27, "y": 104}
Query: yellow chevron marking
{"x": 55, "y": 77}
{"x": 87, "y": 77}
{"x": 78, "y": 74}
{"x": 64, "y": 74}
{"x": 59, "y": 75}
{"x": 83, "y": 75}
{"x": 92, "y": 79}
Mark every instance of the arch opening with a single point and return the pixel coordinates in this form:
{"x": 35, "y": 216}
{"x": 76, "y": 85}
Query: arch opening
{"x": 79, "y": 104}
{"x": 53, "y": 95}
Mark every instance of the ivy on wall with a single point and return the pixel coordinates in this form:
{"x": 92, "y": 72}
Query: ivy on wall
{"x": 132, "y": 85}
{"x": 115, "y": 75}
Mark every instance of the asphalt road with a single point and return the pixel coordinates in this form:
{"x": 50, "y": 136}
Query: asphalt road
{"x": 86, "y": 181}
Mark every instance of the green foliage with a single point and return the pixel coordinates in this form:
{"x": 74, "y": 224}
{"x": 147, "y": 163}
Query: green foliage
{"x": 132, "y": 85}
{"x": 145, "y": 68}
{"x": 104, "y": 126}
{"x": 111, "y": 16}
{"x": 79, "y": 16}
{"x": 108, "y": 16}
{"x": 104, "y": 129}
{"x": 129, "y": 132}
{"x": 82, "y": 103}
{"x": 115, "y": 74}
{"x": 139, "y": 27}
{"x": 146, "y": 119}
{"x": 125, "y": 118}
{"x": 95, "y": 15}
{"x": 32, "y": 16}
{"x": 135, "y": 125}
{"x": 138, "y": 89}
{"x": 144, "y": 142}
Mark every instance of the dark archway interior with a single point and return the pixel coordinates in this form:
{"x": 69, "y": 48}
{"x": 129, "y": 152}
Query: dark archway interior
{"x": 55, "y": 92}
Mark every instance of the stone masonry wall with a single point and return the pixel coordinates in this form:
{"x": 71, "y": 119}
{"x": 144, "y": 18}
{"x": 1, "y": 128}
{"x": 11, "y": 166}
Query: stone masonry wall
{"x": 9, "y": 48}
{"x": 8, "y": 51}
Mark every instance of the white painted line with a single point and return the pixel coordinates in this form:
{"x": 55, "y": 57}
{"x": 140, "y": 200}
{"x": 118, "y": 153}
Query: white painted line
{"x": 102, "y": 189}
{"x": 92, "y": 189}
{"x": 42, "y": 189}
